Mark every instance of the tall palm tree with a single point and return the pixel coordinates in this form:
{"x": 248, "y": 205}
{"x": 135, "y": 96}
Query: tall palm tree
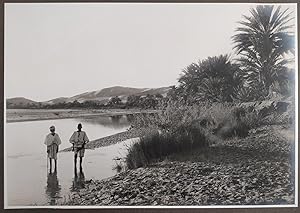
{"x": 262, "y": 41}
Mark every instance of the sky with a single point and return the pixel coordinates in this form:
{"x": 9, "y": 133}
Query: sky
{"x": 64, "y": 49}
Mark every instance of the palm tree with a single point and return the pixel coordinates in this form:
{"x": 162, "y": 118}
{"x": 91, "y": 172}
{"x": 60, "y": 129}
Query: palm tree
{"x": 262, "y": 41}
{"x": 212, "y": 79}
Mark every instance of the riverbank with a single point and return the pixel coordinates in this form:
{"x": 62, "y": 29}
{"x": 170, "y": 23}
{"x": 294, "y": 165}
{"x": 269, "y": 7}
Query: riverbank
{"x": 112, "y": 139}
{"x": 255, "y": 170}
{"x": 19, "y": 115}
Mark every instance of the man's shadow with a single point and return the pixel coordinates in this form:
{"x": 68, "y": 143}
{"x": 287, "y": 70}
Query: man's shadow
{"x": 78, "y": 180}
{"x": 53, "y": 188}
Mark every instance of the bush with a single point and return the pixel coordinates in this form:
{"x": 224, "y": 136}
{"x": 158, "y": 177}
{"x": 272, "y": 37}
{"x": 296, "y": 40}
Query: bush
{"x": 159, "y": 145}
{"x": 173, "y": 117}
{"x": 223, "y": 119}
{"x": 180, "y": 128}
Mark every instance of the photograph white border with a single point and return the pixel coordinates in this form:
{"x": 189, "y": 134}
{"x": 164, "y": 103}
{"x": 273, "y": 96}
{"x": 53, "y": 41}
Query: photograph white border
{"x": 166, "y": 207}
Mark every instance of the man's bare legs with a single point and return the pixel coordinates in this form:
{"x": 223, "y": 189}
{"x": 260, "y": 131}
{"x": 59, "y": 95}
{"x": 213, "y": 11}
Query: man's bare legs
{"x": 75, "y": 160}
{"x": 80, "y": 163}
{"x": 50, "y": 160}
{"x": 55, "y": 163}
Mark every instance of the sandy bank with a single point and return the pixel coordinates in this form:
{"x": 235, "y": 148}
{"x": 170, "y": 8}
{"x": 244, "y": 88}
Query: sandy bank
{"x": 109, "y": 140}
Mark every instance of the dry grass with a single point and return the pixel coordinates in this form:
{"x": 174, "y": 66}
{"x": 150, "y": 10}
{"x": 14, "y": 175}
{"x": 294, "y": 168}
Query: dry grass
{"x": 181, "y": 128}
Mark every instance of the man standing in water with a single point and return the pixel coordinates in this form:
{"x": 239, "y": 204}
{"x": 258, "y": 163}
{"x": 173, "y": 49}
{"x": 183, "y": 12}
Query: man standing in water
{"x": 79, "y": 139}
{"x": 52, "y": 141}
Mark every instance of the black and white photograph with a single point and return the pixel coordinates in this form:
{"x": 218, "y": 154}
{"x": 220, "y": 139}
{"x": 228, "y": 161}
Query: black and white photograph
{"x": 150, "y": 105}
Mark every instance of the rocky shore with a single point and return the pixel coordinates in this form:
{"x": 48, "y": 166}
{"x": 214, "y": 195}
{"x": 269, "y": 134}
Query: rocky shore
{"x": 253, "y": 170}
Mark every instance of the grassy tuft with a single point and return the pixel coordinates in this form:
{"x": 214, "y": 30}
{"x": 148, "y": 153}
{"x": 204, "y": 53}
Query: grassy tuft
{"x": 156, "y": 146}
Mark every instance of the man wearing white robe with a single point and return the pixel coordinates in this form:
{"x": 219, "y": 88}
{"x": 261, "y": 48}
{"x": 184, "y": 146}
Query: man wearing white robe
{"x": 52, "y": 142}
{"x": 79, "y": 139}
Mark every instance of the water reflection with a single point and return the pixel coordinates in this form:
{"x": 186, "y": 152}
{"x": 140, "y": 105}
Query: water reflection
{"x": 32, "y": 152}
{"x": 130, "y": 118}
{"x": 78, "y": 180}
{"x": 115, "y": 121}
{"x": 53, "y": 188}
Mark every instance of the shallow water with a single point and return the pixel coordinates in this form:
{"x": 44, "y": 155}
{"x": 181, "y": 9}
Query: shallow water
{"x": 27, "y": 179}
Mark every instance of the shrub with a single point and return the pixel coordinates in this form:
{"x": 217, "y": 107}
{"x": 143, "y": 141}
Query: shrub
{"x": 174, "y": 116}
{"x": 156, "y": 146}
{"x": 223, "y": 119}
{"x": 181, "y": 128}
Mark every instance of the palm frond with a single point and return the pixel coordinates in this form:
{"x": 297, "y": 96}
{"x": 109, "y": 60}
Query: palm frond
{"x": 261, "y": 42}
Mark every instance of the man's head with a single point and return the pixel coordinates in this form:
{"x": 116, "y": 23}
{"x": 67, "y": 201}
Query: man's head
{"x": 79, "y": 126}
{"x": 52, "y": 129}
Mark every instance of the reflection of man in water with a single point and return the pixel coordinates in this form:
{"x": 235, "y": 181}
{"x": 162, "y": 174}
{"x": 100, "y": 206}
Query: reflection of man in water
{"x": 52, "y": 141}
{"x": 78, "y": 180}
{"x": 79, "y": 139}
{"x": 53, "y": 188}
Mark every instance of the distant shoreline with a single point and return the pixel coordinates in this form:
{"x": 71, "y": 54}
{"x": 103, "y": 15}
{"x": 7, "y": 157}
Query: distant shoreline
{"x": 22, "y": 115}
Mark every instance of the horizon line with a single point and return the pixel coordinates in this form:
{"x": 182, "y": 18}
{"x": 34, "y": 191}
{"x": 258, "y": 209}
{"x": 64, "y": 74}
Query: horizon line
{"x": 6, "y": 98}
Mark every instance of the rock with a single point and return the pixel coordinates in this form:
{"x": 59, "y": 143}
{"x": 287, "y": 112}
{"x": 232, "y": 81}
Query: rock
{"x": 265, "y": 108}
{"x": 154, "y": 203}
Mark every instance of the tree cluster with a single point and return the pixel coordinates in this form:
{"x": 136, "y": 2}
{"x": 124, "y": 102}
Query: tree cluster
{"x": 133, "y": 101}
{"x": 259, "y": 69}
